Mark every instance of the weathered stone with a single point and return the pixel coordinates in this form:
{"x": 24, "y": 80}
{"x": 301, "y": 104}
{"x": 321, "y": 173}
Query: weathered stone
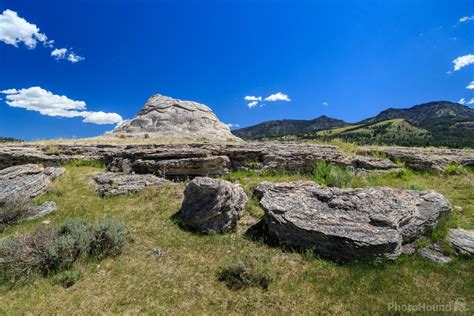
{"x": 26, "y": 182}
{"x": 40, "y": 210}
{"x": 348, "y": 224}
{"x": 212, "y": 205}
{"x": 409, "y": 249}
{"x": 424, "y": 159}
{"x": 165, "y": 117}
{"x": 462, "y": 241}
{"x": 111, "y": 184}
{"x": 434, "y": 253}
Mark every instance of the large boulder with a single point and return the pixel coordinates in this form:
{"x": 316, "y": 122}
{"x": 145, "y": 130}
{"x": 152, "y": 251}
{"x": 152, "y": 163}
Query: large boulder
{"x": 462, "y": 241}
{"x": 348, "y": 224}
{"x": 26, "y": 182}
{"x": 111, "y": 184}
{"x": 212, "y": 205}
{"x": 165, "y": 117}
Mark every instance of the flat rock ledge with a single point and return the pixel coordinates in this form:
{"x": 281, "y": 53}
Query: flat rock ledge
{"x": 462, "y": 241}
{"x": 434, "y": 252}
{"x": 112, "y": 184}
{"x": 212, "y": 205}
{"x": 25, "y": 182}
{"x": 348, "y": 224}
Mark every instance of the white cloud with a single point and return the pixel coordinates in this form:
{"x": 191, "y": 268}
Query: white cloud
{"x": 231, "y": 126}
{"x": 462, "y": 101}
{"x": 15, "y": 30}
{"x": 252, "y": 104}
{"x": 252, "y": 98}
{"x": 64, "y": 53}
{"x": 470, "y": 86}
{"x": 278, "y": 97}
{"x": 463, "y": 61}
{"x": 59, "y": 53}
{"x": 466, "y": 19}
{"x": 45, "y": 102}
{"x": 471, "y": 101}
{"x": 324, "y": 104}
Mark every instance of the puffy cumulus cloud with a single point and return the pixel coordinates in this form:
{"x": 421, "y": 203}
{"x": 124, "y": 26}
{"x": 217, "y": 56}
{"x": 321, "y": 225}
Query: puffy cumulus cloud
{"x": 232, "y": 126}
{"x": 463, "y": 61}
{"x": 278, "y": 97}
{"x": 324, "y": 104}
{"x": 466, "y": 19}
{"x": 462, "y": 101}
{"x": 64, "y": 53}
{"x": 254, "y": 100}
{"x": 15, "y": 30}
{"x": 46, "y": 103}
{"x": 470, "y": 101}
{"x": 470, "y": 85}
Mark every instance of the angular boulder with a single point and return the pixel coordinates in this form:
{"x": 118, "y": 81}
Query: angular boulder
{"x": 462, "y": 241}
{"x": 111, "y": 184}
{"x": 348, "y": 224}
{"x": 434, "y": 252}
{"x": 165, "y": 117}
{"x": 26, "y": 182}
{"x": 212, "y": 205}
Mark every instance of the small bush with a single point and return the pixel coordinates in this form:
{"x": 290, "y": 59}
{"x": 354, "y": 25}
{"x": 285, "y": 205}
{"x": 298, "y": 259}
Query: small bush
{"x": 454, "y": 168}
{"x": 108, "y": 240}
{"x": 247, "y": 271}
{"x": 331, "y": 175}
{"x": 48, "y": 251}
{"x": 67, "y": 278}
{"x": 11, "y": 212}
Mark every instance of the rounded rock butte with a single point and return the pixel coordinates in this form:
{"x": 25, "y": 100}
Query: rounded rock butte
{"x": 165, "y": 117}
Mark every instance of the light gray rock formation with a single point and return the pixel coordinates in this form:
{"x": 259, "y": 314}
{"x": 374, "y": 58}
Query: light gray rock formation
{"x": 348, "y": 224}
{"x": 434, "y": 252}
{"x": 111, "y": 184}
{"x": 462, "y": 241}
{"x": 424, "y": 159}
{"x": 40, "y": 210}
{"x": 26, "y": 182}
{"x": 212, "y": 205}
{"x": 165, "y": 117}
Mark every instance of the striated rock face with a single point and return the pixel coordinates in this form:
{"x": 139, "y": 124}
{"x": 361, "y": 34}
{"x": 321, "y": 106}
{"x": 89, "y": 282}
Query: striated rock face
{"x": 434, "y": 252}
{"x": 194, "y": 159}
{"x": 462, "y": 240}
{"x": 110, "y": 183}
{"x": 163, "y": 117}
{"x": 348, "y": 224}
{"x": 26, "y": 182}
{"x": 212, "y": 205}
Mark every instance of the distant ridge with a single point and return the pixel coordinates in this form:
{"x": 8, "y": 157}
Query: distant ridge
{"x": 7, "y": 139}
{"x": 288, "y": 127}
{"x": 437, "y": 123}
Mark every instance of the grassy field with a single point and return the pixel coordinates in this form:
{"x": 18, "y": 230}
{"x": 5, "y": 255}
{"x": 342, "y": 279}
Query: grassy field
{"x": 183, "y": 280}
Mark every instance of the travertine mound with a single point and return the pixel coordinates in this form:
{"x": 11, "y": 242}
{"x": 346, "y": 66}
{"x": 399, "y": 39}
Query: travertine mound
{"x": 165, "y": 117}
{"x": 348, "y": 224}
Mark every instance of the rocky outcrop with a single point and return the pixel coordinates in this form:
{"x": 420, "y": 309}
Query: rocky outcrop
{"x": 212, "y": 205}
{"x": 348, "y": 224}
{"x": 165, "y": 117}
{"x": 424, "y": 159}
{"x": 434, "y": 252}
{"x": 111, "y": 184}
{"x": 462, "y": 241}
{"x": 40, "y": 210}
{"x": 193, "y": 159}
{"x": 26, "y": 182}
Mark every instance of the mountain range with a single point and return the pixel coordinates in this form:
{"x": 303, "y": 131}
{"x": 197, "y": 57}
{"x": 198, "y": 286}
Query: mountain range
{"x": 438, "y": 123}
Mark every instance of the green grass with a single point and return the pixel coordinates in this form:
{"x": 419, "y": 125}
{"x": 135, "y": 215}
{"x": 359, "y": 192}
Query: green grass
{"x": 184, "y": 279}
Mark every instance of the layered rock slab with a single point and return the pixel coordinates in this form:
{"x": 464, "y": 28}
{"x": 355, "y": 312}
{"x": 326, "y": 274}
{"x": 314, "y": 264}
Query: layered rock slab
{"x": 348, "y": 224}
{"x": 164, "y": 117}
{"x": 112, "y": 184}
{"x": 212, "y": 205}
{"x": 462, "y": 241}
{"x": 25, "y": 182}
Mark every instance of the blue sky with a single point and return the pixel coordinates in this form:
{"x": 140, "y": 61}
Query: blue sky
{"x": 358, "y": 57}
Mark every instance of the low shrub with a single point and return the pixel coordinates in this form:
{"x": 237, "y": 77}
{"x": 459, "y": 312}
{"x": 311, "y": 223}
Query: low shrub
{"x": 331, "y": 175}
{"x": 246, "y": 271}
{"x": 454, "y": 168}
{"x": 52, "y": 251}
{"x": 67, "y": 278}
